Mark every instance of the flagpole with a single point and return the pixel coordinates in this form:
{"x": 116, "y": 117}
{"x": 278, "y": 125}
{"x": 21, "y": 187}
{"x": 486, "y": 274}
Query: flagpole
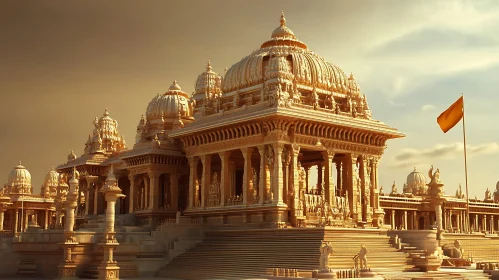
{"x": 466, "y": 172}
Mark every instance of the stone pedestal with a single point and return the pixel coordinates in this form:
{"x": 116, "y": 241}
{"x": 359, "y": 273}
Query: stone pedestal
{"x": 330, "y": 274}
{"x": 427, "y": 263}
{"x": 109, "y": 269}
{"x": 367, "y": 273}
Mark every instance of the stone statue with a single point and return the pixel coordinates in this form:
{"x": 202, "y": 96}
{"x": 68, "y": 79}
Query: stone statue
{"x": 457, "y": 251}
{"x": 326, "y": 250}
{"x": 315, "y": 98}
{"x": 363, "y": 256}
{"x": 488, "y": 195}
{"x": 434, "y": 176}
{"x": 459, "y": 192}
{"x": 381, "y": 191}
{"x": 337, "y": 108}
{"x": 394, "y": 189}
{"x": 196, "y": 194}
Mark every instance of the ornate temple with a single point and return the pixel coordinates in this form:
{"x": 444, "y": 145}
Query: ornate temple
{"x": 237, "y": 153}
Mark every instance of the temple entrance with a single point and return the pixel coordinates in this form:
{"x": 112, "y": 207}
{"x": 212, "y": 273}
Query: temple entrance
{"x": 124, "y": 204}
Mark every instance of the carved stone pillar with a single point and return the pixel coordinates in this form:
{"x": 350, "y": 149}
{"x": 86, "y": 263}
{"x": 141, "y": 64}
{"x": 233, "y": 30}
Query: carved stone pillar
{"x": 328, "y": 177}
{"x": 307, "y": 170}
{"x": 146, "y": 195}
{"x": 286, "y": 162}
{"x": 16, "y": 221}
{"x": 277, "y": 182}
{"x": 206, "y": 160}
{"x": 339, "y": 182}
{"x": 225, "y": 178}
{"x": 131, "y": 198}
{"x": 248, "y": 174}
{"x": 193, "y": 174}
{"x": 296, "y": 171}
{"x": 354, "y": 187}
{"x": 153, "y": 192}
{"x": 392, "y": 220}
{"x": 405, "y": 221}
{"x": 96, "y": 197}
{"x": 46, "y": 220}
{"x": 174, "y": 191}
{"x": 261, "y": 181}
{"x": 2, "y": 218}
{"x": 87, "y": 196}
{"x": 319, "y": 178}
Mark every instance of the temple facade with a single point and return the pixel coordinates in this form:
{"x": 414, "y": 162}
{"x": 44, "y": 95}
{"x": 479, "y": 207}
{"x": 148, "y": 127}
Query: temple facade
{"x": 240, "y": 150}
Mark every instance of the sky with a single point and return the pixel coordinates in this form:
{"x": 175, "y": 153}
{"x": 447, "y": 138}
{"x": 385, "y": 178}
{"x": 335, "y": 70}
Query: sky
{"x": 63, "y": 62}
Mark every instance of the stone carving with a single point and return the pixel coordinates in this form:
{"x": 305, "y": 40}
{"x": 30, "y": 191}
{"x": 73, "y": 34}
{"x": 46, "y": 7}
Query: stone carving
{"x": 394, "y": 189}
{"x": 269, "y": 156}
{"x": 488, "y": 194}
{"x": 214, "y": 192}
{"x": 457, "y": 251}
{"x": 459, "y": 192}
{"x": 434, "y": 176}
{"x": 362, "y": 258}
{"x": 326, "y": 251}
{"x": 197, "y": 201}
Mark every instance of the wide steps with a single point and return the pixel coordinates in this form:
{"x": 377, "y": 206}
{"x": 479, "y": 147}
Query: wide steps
{"x": 238, "y": 254}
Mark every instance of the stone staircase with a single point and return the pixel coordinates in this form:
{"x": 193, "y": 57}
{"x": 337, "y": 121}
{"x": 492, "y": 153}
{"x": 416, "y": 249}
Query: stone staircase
{"x": 27, "y": 268}
{"x": 236, "y": 254}
{"x": 142, "y": 251}
{"x": 439, "y": 275}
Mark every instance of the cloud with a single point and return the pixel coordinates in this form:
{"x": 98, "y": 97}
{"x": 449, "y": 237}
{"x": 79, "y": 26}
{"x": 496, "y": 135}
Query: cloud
{"x": 428, "y": 107}
{"x": 395, "y": 104}
{"x": 410, "y": 157}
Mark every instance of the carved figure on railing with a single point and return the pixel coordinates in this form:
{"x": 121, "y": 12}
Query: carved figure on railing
{"x": 394, "y": 189}
{"x": 329, "y": 102}
{"x": 326, "y": 250}
{"x": 488, "y": 195}
{"x": 349, "y": 104}
{"x": 337, "y": 109}
{"x": 459, "y": 192}
{"x": 354, "y": 110}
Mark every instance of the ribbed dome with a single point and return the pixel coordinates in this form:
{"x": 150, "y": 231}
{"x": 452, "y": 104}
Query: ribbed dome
{"x": 49, "y": 188}
{"x": 208, "y": 82}
{"x": 286, "y": 54}
{"x": 19, "y": 181}
{"x": 169, "y": 105}
{"x": 416, "y": 182}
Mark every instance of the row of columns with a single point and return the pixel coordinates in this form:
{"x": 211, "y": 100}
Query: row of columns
{"x": 147, "y": 196}
{"x": 20, "y": 221}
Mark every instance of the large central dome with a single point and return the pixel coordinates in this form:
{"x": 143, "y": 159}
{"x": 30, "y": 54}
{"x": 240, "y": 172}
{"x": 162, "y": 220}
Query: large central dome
{"x": 291, "y": 55}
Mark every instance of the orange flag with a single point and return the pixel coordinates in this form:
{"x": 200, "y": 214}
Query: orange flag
{"x": 450, "y": 117}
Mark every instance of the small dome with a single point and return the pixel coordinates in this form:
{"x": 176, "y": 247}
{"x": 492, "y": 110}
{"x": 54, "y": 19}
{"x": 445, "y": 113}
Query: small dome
{"x": 71, "y": 156}
{"x": 209, "y": 83}
{"x": 416, "y": 182}
{"x": 19, "y": 181}
{"x": 283, "y": 31}
{"x": 175, "y": 86}
{"x": 169, "y": 105}
{"x": 49, "y": 188}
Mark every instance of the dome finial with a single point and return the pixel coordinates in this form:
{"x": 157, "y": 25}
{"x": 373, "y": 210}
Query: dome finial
{"x": 20, "y": 163}
{"x": 283, "y": 19}
{"x": 175, "y": 86}
{"x": 208, "y": 66}
{"x": 106, "y": 113}
{"x": 414, "y": 168}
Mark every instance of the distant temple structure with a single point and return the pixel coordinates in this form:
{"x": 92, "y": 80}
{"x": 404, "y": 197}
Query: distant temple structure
{"x": 238, "y": 151}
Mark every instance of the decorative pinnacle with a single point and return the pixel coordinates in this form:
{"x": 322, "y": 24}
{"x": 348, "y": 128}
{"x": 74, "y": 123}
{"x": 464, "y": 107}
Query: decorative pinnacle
{"x": 208, "y": 66}
{"x": 283, "y": 19}
{"x": 414, "y": 168}
{"x": 106, "y": 113}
